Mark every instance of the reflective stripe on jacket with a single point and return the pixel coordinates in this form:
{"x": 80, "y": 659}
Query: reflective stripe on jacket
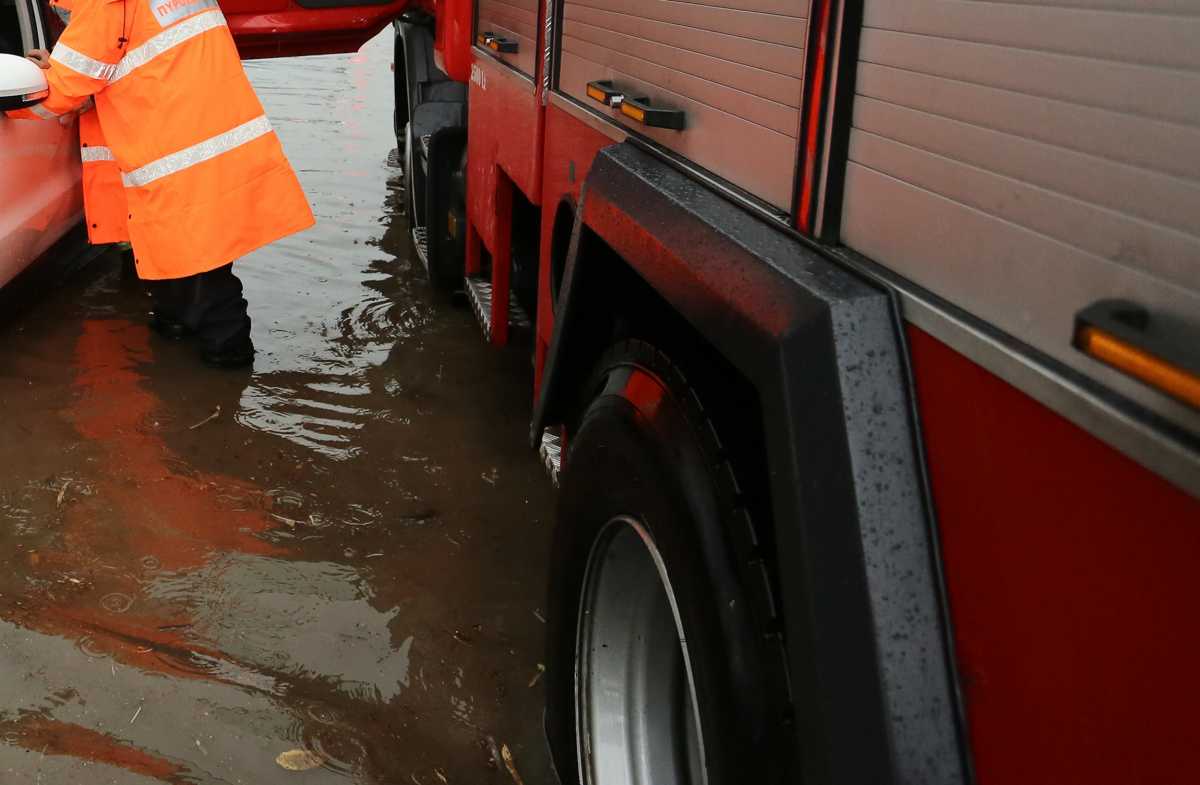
{"x": 204, "y": 177}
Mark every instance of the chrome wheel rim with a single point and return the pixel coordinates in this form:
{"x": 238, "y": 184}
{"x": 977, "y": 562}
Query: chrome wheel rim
{"x": 636, "y": 715}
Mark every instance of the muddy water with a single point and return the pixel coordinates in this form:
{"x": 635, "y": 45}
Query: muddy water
{"x": 341, "y": 551}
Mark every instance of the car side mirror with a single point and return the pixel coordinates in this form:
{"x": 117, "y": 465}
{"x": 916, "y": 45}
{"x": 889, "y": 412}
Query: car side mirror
{"x": 22, "y": 83}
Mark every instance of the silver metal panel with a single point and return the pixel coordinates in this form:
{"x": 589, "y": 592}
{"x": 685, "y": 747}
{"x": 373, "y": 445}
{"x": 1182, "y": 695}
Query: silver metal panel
{"x": 767, "y": 56}
{"x": 1136, "y": 89}
{"x": 730, "y": 18}
{"x": 516, "y": 20}
{"x": 1151, "y": 38}
{"x": 1023, "y": 160}
{"x": 1160, "y": 146}
{"x": 752, "y": 156}
{"x": 733, "y": 66}
{"x": 771, "y": 114}
{"x": 778, "y": 88}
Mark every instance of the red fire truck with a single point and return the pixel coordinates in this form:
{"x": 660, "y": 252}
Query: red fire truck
{"x": 868, "y": 335}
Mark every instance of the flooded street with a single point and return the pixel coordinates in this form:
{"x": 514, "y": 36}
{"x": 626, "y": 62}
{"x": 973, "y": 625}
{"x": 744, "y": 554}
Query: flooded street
{"x": 329, "y": 569}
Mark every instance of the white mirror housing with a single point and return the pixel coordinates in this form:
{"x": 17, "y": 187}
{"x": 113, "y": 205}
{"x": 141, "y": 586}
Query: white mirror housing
{"x": 22, "y": 83}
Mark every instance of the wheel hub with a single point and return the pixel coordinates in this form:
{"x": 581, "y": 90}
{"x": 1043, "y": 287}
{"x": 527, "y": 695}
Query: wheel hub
{"x": 637, "y": 721}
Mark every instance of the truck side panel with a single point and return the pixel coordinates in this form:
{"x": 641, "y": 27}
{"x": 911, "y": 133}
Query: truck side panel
{"x": 1071, "y": 573}
{"x": 1025, "y": 161}
{"x": 503, "y": 139}
{"x": 733, "y": 67}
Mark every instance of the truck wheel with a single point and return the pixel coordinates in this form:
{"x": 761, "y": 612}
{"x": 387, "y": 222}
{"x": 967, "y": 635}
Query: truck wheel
{"x": 413, "y": 181}
{"x": 660, "y": 653}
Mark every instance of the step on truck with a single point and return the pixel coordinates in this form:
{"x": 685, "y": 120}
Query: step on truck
{"x": 865, "y": 338}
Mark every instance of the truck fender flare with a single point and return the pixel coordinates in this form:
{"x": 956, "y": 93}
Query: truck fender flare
{"x": 869, "y": 644}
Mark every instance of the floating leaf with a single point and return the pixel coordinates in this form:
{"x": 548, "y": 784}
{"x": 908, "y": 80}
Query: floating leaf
{"x": 299, "y": 760}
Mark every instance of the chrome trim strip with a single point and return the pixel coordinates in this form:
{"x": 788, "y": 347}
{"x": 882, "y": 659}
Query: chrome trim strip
{"x": 197, "y": 153}
{"x": 1136, "y": 438}
{"x": 547, "y": 44}
{"x": 95, "y": 153}
{"x": 81, "y": 63}
{"x": 168, "y": 39}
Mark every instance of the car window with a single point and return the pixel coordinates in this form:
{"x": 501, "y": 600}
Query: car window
{"x": 52, "y": 22}
{"x": 10, "y": 28}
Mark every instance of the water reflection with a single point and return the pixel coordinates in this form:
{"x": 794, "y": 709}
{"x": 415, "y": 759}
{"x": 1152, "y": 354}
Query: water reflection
{"x": 332, "y": 563}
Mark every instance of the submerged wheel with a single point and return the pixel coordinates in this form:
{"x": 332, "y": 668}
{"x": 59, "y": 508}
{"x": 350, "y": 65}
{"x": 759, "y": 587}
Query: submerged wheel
{"x": 414, "y": 182}
{"x": 662, "y": 660}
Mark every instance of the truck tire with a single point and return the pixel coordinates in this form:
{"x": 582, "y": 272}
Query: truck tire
{"x": 662, "y": 653}
{"x": 414, "y": 180}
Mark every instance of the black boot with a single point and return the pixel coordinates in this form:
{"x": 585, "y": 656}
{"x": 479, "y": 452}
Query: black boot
{"x": 168, "y": 327}
{"x": 235, "y": 353}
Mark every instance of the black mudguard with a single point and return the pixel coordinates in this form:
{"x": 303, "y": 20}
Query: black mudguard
{"x": 866, "y": 628}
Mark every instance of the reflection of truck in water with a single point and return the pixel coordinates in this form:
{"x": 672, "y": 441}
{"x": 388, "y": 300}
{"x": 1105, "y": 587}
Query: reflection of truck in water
{"x": 865, "y": 348}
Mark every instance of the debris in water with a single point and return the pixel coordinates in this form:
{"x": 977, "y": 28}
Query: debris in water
{"x": 136, "y": 714}
{"x": 540, "y": 670}
{"x": 539, "y": 615}
{"x": 291, "y": 522}
{"x": 493, "y": 753}
{"x": 299, "y": 760}
{"x": 216, "y": 413}
{"x": 507, "y": 755}
{"x": 62, "y": 492}
{"x": 440, "y": 776}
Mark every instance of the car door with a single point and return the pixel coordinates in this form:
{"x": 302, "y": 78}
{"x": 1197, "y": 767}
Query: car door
{"x": 40, "y": 194}
{"x": 281, "y": 28}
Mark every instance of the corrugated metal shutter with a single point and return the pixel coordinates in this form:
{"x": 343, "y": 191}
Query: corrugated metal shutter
{"x": 733, "y": 66}
{"x": 1024, "y": 159}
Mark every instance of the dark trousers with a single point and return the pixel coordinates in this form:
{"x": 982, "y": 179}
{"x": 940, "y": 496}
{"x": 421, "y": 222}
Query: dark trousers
{"x": 209, "y": 304}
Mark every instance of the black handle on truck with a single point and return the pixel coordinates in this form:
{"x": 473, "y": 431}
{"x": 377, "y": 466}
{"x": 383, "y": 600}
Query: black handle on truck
{"x": 640, "y": 109}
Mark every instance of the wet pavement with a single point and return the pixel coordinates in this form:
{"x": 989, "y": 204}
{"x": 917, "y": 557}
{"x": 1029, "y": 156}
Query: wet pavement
{"x": 333, "y": 563}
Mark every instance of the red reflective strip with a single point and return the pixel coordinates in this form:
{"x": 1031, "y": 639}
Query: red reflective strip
{"x": 813, "y": 119}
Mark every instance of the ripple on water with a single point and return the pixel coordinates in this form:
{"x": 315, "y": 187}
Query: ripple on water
{"x": 194, "y": 663}
{"x": 116, "y": 602}
{"x": 87, "y": 644}
{"x": 322, "y": 426}
{"x": 338, "y": 746}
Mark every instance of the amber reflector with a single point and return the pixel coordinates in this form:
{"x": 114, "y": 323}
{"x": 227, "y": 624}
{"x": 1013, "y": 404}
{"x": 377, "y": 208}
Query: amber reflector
{"x": 1141, "y": 365}
{"x": 634, "y": 112}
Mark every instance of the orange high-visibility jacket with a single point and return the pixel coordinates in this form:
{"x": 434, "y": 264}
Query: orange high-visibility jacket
{"x": 204, "y": 175}
{"x": 103, "y": 194}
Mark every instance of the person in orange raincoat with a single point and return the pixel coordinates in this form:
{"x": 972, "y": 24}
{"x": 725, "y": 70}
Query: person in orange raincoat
{"x": 205, "y": 179}
{"x": 103, "y": 194}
